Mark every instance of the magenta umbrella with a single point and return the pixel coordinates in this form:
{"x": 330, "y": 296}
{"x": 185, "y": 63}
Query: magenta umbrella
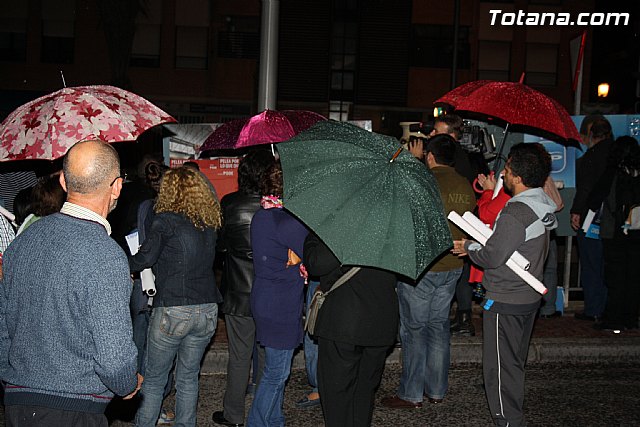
{"x": 268, "y": 127}
{"x": 47, "y": 127}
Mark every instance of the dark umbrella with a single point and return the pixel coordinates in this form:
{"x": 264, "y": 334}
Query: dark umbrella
{"x": 268, "y": 127}
{"x": 365, "y": 196}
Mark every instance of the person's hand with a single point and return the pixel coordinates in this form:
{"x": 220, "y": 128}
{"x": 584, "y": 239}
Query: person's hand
{"x": 487, "y": 182}
{"x": 575, "y": 221}
{"x": 292, "y": 258}
{"x": 416, "y": 147}
{"x": 458, "y": 248}
{"x": 134, "y": 392}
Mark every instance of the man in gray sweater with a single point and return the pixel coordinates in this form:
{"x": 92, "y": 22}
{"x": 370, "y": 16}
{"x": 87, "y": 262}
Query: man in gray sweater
{"x": 66, "y": 342}
{"x": 510, "y": 303}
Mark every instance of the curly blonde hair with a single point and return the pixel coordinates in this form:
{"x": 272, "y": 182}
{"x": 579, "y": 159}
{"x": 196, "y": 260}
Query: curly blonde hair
{"x": 185, "y": 191}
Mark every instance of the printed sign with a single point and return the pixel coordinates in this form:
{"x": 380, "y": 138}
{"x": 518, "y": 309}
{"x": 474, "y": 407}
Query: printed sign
{"x": 221, "y": 171}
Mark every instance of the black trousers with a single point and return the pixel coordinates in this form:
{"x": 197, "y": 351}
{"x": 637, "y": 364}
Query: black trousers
{"x": 621, "y": 274}
{"x": 505, "y": 345}
{"x": 348, "y": 376}
{"x": 39, "y": 416}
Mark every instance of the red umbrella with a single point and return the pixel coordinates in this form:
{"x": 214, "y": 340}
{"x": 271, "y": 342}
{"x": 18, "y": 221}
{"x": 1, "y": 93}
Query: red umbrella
{"x": 517, "y": 105}
{"x": 47, "y": 127}
{"x": 268, "y": 127}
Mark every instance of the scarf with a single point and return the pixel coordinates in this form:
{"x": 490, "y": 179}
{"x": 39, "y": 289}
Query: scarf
{"x": 271, "y": 201}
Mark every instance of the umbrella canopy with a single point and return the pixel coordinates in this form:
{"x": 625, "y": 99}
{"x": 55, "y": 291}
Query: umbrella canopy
{"x": 516, "y": 104}
{"x": 47, "y": 127}
{"x": 225, "y": 136}
{"x": 365, "y": 196}
{"x": 268, "y": 127}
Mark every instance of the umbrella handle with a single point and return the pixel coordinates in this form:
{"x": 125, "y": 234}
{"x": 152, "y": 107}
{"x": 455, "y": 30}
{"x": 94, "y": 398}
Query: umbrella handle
{"x": 504, "y": 140}
{"x": 396, "y": 154}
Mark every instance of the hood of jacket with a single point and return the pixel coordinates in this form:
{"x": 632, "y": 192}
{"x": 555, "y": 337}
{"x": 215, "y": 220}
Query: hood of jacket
{"x": 544, "y": 208}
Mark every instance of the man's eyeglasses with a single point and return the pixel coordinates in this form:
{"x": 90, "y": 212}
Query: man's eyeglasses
{"x": 123, "y": 176}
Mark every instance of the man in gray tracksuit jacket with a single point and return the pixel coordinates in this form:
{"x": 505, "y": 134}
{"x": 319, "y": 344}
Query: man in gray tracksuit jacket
{"x": 510, "y": 303}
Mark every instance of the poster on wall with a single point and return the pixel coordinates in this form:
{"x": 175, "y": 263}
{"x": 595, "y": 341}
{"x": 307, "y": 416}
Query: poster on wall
{"x": 221, "y": 171}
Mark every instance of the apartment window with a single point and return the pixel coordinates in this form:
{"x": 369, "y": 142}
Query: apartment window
{"x": 343, "y": 59}
{"x": 339, "y": 110}
{"x": 145, "y": 51}
{"x": 191, "y": 47}
{"x": 541, "y": 64}
{"x": 240, "y": 39}
{"x": 192, "y": 34}
{"x": 432, "y": 46}
{"x": 494, "y": 60}
{"x": 58, "y": 27}
{"x": 13, "y": 31}
{"x": 238, "y": 45}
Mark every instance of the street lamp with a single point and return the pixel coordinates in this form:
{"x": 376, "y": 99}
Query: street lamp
{"x": 603, "y": 90}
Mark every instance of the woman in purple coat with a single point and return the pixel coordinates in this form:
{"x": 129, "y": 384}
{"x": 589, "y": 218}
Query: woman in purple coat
{"x": 276, "y": 297}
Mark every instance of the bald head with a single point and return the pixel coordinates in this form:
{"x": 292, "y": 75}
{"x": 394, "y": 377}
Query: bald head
{"x": 90, "y": 166}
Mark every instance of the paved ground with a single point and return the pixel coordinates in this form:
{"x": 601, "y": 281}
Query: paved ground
{"x": 576, "y": 376}
{"x": 567, "y": 394}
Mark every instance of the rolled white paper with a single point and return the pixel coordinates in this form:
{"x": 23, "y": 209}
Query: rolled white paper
{"x": 148, "y": 282}
{"x": 487, "y": 232}
{"x": 146, "y": 276}
{"x": 480, "y": 238}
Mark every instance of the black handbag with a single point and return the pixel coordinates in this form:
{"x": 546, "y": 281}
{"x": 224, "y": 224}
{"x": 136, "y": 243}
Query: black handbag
{"x": 319, "y": 297}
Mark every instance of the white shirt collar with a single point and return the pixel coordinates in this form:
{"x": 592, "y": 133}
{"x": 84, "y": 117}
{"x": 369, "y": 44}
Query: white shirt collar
{"x": 77, "y": 211}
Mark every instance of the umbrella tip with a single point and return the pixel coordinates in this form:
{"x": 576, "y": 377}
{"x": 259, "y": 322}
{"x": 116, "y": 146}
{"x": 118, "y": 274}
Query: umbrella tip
{"x": 64, "y": 84}
{"x": 521, "y": 78}
{"x": 396, "y": 154}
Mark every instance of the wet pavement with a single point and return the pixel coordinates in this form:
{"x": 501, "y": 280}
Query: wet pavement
{"x": 576, "y": 376}
{"x": 556, "y": 395}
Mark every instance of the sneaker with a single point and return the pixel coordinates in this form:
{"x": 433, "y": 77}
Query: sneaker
{"x": 167, "y": 417}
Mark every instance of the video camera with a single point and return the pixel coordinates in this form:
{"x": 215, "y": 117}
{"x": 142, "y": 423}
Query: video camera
{"x": 476, "y": 139}
{"x": 420, "y": 130}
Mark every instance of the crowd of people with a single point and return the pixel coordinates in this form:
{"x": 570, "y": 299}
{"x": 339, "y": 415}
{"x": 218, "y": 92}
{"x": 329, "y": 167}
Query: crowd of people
{"x": 79, "y": 326}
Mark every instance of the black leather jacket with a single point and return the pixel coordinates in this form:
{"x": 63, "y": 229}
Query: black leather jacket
{"x": 234, "y": 241}
{"x": 181, "y": 257}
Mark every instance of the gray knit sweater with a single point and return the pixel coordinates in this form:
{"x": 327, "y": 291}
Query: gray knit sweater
{"x": 65, "y": 329}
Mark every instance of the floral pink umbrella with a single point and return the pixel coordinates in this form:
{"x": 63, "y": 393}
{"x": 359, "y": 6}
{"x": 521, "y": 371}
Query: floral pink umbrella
{"x": 47, "y": 127}
{"x": 268, "y": 127}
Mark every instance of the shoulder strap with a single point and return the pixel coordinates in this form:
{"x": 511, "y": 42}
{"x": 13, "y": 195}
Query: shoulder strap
{"x": 343, "y": 279}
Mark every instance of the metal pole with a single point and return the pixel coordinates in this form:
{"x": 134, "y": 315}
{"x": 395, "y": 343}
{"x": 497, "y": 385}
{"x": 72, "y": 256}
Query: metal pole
{"x": 566, "y": 276}
{"x": 456, "y": 28}
{"x": 268, "y": 77}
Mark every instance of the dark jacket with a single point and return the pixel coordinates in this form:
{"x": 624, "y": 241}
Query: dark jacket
{"x": 234, "y": 241}
{"x": 181, "y": 257}
{"x": 589, "y": 170}
{"x": 617, "y": 192}
{"x": 364, "y": 310}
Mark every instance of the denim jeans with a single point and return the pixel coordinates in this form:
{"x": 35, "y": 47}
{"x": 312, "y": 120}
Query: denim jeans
{"x": 185, "y": 332}
{"x": 592, "y": 274}
{"x": 424, "y": 333}
{"x": 311, "y": 345}
{"x": 266, "y": 409}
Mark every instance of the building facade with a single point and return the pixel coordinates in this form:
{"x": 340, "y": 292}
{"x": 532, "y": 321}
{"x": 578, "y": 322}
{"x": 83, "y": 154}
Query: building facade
{"x": 381, "y": 60}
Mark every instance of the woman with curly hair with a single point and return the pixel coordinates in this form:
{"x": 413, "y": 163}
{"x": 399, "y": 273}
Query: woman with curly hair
{"x": 180, "y": 248}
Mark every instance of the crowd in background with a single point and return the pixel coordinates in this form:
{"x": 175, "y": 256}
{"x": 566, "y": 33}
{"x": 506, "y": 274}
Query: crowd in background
{"x": 268, "y": 256}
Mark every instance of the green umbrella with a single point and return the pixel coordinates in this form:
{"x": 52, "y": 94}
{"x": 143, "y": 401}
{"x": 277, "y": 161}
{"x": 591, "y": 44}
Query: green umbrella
{"x": 368, "y": 199}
